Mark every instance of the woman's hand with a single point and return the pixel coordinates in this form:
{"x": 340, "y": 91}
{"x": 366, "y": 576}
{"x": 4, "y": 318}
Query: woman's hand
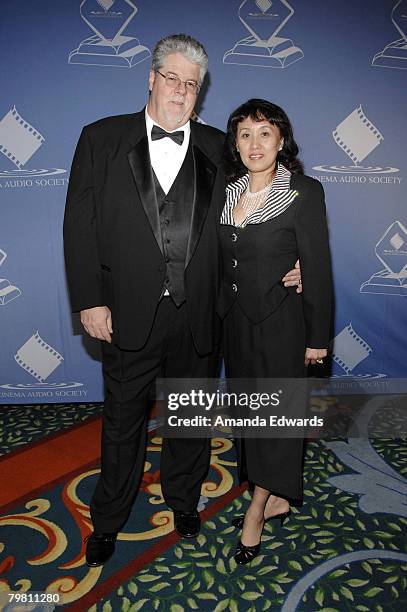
{"x": 293, "y": 277}
{"x": 314, "y": 356}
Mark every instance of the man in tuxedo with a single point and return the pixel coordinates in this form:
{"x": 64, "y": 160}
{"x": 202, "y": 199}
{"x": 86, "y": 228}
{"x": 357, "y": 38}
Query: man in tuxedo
{"x": 145, "y": 195}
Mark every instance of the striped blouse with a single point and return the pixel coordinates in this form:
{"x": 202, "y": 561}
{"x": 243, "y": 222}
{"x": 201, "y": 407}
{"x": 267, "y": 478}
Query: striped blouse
{"x": 278, "y": 200}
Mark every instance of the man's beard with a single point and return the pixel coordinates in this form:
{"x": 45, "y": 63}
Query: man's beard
{"x": 174, "y": 117}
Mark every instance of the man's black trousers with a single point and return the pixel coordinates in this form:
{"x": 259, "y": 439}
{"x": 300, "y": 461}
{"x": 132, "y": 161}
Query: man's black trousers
{"x": 129, "y": 376}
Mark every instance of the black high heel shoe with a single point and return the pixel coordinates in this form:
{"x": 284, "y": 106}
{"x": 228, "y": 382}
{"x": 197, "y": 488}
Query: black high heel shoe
{"x": 245, "y": 554}
{"x": 239, "y": 520}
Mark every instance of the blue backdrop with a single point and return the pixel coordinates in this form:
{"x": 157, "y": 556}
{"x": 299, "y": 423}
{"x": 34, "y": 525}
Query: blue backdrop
{"x": 339, "y": 69}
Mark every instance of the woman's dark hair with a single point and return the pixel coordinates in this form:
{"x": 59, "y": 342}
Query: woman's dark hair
{"x": 259, "y": 110}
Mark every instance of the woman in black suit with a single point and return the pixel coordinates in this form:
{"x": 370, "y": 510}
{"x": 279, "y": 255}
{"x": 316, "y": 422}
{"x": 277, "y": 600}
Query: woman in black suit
{"x": 273, "y": 215}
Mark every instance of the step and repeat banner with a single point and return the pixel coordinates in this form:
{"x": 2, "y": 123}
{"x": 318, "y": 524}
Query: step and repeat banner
{"x": 339, "y": 69}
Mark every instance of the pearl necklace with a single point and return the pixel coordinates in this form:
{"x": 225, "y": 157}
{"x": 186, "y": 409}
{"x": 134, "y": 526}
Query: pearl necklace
{"x": 252, "y": 201}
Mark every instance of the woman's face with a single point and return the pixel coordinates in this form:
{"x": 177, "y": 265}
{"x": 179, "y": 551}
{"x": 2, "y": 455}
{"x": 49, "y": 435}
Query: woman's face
{"x": 258, "y": 143}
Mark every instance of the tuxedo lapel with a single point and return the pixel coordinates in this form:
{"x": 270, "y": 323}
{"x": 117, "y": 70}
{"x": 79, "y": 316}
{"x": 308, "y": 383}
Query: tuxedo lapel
{"x": 140, "y": 164}
{"x": 204, "y": 177}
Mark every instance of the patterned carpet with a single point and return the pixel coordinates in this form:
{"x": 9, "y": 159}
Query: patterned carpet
{"x": 345, "y": 549}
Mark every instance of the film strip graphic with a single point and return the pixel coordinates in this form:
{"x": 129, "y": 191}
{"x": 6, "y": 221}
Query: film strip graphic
{"x": 38, "y": 358}
{"x": 358, "y": 350}
{"x": 14, "y": 123}
{"x": 356, "y": 119}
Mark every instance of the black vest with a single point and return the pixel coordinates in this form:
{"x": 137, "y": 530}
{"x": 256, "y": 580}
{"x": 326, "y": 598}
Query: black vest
{"x": 175, "y": 210}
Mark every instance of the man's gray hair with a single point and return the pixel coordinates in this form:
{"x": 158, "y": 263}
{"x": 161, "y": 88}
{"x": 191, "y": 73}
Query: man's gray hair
{"x": 189, "y": 47}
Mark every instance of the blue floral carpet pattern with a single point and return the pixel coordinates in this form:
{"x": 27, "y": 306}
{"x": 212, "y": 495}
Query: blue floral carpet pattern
{"x": 345, "y": 549}
{"x": 330, "y": 555}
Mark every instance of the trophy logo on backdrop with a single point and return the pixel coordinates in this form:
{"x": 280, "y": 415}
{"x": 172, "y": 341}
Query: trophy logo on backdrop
{"x": 394, "y": 55}
{"x": 19, "y": 141}
{"x": 108, "y": 45}
{"x": 8, "y": 292}
{"x": 391, "y": 251}
{"x": 265, "y": 20}
{"x": 39, "y": 359}
{"x": 348, "y": 350}
{"x": 358, "y": 138}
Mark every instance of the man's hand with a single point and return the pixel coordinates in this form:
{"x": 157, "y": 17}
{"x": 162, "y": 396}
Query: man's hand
{"x": 314, "y": 356}
{"x": 293, "y": 277}
{"x": 98, "y": 322}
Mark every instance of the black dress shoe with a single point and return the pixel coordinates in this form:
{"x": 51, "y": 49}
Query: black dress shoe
{"x": 187, "y": 524}
{"x": 99, "y": 548}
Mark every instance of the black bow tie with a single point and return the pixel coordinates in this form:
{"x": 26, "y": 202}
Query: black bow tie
{"x": 157, "y": 133}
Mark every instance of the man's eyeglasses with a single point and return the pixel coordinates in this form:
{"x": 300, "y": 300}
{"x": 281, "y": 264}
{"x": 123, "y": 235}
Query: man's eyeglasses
{"x": 172, "y": 80}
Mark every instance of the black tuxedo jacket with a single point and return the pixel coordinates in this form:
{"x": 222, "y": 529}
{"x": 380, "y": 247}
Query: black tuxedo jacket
{"x": 112, "y": 237}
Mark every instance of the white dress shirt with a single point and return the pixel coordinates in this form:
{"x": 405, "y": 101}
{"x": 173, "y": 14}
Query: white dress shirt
{"x": 166, "y": 155}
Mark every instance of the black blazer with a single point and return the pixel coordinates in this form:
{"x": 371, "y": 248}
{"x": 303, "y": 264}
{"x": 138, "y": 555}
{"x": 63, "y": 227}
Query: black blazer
{"x": 112, "y": 237}
{"x": 255, "y": 259}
